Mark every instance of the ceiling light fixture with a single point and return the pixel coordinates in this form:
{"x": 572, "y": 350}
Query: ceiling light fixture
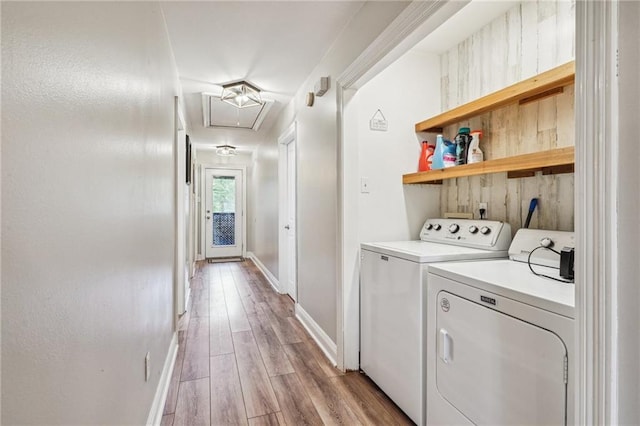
{"x": 241, "y": 94}
{"x": 225, "y": 150}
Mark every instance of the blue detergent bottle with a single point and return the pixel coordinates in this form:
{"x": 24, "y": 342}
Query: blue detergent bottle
{"x": 437, "y": 162}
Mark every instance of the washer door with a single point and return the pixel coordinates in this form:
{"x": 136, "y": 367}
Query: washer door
{"x": 496, "y": 369}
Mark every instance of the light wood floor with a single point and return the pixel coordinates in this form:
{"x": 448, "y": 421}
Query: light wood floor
{"x": 245, "y": 359}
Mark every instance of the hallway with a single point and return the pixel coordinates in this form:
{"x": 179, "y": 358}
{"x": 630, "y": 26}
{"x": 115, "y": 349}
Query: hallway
{"x": 245, "y": 359}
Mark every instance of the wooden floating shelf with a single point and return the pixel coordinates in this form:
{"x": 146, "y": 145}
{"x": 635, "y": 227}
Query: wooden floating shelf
{"x": 559, "y": 160}
{"x": 546, "y": 84}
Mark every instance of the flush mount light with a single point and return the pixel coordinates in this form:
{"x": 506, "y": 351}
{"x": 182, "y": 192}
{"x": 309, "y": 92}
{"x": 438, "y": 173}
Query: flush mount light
{"x": 241, "y": 94}
{"x": 225, "y": 150}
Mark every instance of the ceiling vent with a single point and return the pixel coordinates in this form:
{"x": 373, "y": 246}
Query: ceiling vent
{"x": 220, "y": 114}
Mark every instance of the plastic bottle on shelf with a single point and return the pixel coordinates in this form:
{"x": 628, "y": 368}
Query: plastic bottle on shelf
{"x": 463, "y": 139}
{"x": 449, "y": 153}
{"x": 438, "y": 153}
{"x": 426, "y": 156}
{"x": 475, "y": 154}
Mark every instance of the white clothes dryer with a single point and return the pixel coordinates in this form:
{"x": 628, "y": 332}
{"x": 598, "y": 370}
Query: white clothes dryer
{"x": 392, "y": 297}
{"x": 499, "y": 338}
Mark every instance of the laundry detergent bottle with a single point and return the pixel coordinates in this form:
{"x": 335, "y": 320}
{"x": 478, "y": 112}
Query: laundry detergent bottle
{"x": 475, "y": 154}
{"x": 437, "y": 154}
{"x": 426, "y": 157}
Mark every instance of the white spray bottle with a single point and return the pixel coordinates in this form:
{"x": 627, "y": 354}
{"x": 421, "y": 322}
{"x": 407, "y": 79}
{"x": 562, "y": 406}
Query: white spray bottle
{"x": 475, "y": 155}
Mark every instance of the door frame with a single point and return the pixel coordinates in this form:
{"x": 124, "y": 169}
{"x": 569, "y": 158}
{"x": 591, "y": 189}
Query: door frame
{"x": 181, "y": 287}
{"x": 203, "y": 204}
{"x": 289, "y": 136}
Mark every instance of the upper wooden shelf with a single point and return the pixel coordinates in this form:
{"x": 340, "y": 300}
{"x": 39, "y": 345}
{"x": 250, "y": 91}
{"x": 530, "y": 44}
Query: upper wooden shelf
{"x": 548, "y": 82}
{"x": 558, "y": 160}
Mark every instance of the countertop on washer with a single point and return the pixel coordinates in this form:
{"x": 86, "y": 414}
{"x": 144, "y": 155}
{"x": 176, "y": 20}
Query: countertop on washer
{"x": 426, "y": 251}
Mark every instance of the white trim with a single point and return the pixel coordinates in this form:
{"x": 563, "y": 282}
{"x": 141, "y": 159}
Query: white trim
{"x": 344, "y": 356}
{"x": 321, "y": 338}
{"x": 596, "y": 201}
{"x": 401, "y": 29}
{"x": 186, "y": 299}
{"x": 268, "y": 275}
{"x": 157, "y": 406}
{"x": 411, "y": 26}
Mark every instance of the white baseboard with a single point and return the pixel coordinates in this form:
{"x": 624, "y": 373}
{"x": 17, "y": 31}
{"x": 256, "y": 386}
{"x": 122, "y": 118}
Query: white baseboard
{"x": 322, "y": 339}
{"x": 186, "y": 299}
{"x": 157, "y": 408}
{"x": 270, "y": 277}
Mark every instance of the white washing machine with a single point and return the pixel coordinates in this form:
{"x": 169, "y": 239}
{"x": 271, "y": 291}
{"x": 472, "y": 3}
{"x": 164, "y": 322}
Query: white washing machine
{"x": 499, "y": 341}
{"x": 392, "y": 297}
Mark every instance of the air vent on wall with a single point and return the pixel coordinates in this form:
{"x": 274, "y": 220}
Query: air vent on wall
{"x": 219, "y": 114}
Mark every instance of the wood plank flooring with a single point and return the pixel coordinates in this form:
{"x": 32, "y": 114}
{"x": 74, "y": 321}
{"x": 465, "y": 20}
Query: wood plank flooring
{"x": 244, "y": 359}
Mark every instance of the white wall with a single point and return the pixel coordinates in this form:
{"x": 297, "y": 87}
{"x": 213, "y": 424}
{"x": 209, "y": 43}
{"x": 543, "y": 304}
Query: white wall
{"x": 406, "y": 92}
{"x": 317, "y": 170}
{"x": 263, "y": 206}
{"x": 87, "y": 210}
{"x": 628, "y": 292}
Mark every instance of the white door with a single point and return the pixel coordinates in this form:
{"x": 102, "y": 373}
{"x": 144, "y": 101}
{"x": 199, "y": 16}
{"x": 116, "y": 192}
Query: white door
{"x": 224, "y": 218}
{"x": 291, "y": 221}
{"x": 287, "y": 247}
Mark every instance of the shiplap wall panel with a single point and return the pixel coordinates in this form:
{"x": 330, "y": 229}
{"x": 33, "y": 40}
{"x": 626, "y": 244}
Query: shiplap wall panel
{"x": 530, "y": 38}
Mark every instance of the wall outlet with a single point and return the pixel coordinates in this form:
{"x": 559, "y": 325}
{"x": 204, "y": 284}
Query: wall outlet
{"x": 482, "y": 210}
{"x": 147, "y": 366}
{"x": 364, "y": 185}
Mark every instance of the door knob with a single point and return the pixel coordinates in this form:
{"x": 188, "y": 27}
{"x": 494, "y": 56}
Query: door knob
{"x": 286, "y": 227}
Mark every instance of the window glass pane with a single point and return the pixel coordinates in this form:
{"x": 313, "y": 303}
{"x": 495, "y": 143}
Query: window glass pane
{"x": 224, "y": 210}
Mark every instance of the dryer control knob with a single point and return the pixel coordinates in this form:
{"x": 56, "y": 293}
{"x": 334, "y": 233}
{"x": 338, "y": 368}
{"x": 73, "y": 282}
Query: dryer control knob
{"x": 473, "y": 229}
{"x": 453, "y": 228}
{"x": 485, "y": 230}
{"x": 428, "y": 227}
{"x": 437, "y": 226}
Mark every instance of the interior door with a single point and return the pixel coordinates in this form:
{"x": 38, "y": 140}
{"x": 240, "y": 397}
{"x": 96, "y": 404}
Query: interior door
{"x": 224, "y": 218}
{"x": 291, "y": 222}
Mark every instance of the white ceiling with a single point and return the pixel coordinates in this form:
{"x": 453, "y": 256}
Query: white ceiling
{"x": 274, "y": 45}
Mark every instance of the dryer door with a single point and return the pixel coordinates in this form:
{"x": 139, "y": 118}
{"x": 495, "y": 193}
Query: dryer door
{"x": 496, "y": 369}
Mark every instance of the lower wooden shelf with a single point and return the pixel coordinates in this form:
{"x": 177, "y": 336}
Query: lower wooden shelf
{"x": 559, "y": 160}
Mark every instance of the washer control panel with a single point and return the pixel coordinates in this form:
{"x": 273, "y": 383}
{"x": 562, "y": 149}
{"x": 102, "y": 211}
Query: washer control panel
{"x": 485, "y": 234}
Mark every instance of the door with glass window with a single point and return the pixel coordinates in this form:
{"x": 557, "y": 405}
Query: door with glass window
{"x": 224, "y": 218}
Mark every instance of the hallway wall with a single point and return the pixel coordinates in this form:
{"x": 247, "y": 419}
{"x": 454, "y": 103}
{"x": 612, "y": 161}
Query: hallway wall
{"x": 87, "y": 210}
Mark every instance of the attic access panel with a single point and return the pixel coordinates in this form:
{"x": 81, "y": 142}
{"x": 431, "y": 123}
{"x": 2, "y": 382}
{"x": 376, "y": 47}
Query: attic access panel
{"x": 220, "y": 114}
